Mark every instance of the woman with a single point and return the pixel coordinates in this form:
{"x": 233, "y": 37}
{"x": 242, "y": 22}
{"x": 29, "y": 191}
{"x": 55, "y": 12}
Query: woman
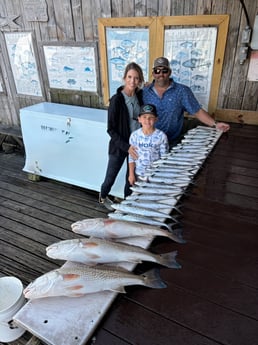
{"x": 122, "y": 121}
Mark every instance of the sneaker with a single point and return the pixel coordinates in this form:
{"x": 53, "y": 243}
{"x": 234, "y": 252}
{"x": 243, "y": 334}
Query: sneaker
{"x": 106, "y": 202}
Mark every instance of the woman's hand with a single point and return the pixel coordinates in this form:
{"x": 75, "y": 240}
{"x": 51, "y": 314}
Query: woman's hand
{"x": 133, "y": 152}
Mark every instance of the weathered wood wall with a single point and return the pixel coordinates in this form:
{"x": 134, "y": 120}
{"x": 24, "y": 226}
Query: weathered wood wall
{"x": 77, "y": 21}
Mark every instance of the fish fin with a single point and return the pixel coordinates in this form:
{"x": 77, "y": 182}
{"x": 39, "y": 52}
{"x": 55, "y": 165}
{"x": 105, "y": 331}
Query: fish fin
{"x": 119, "y": 289}
{"x": 168, "y": 226}
{"x": 70, "y": 276}
{"x": 177, "y": 208}
{"x": 76, "y": 295}
{"x": 89, "y": 244}
{"x": 108, "y": 221}
{"x": 152, "y": 279}
{"x": 92, "y": 256}
{"x": 112, "y": 234}
{"x": 174, "y": 237}
{"x": 75, "y": 287}
{"x": 117, "y": 268}
{"x": 174, "y": 219}
{"x": 169, "y": 260}
{"x": 134, "y": 261}
{"x": 91, "y": 263}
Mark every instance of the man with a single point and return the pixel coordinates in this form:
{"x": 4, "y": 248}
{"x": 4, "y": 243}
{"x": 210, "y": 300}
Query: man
{"x": 172, "y": 100}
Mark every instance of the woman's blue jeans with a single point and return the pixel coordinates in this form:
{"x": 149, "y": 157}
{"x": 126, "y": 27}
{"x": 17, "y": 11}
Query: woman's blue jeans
{"x": 115, "y": 163}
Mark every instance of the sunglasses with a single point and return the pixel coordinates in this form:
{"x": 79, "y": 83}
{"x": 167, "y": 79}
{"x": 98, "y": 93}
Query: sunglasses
{"x": 160, "y": 70}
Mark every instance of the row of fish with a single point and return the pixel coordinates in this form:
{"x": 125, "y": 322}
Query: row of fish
{"x": 143, "y": 214}
{"x": 156, "y": 194}
{"x": 84, "y": 274}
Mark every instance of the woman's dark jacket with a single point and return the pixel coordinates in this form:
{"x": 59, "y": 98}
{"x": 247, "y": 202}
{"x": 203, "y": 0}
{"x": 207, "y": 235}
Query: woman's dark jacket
{"x": 118, "y": 123}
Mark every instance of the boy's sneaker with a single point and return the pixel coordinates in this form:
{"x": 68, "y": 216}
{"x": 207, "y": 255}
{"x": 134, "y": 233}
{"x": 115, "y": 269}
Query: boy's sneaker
{"x": 106, "y": 202}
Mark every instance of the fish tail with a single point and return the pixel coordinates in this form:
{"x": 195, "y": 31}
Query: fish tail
{"x": 169, "y": 260}
{"x": 177, "y": 208}
{"x": 174, "y": 237}
{"x": 152, "y": 279}
{"x": 167, "y": 226}
{"x": 175, "y": 234}
{"x": 174, "y": 219}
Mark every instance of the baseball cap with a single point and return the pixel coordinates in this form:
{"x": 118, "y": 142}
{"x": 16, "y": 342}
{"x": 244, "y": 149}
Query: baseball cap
{"x": 161, "y": 62}
{"x": 148, "y": 109}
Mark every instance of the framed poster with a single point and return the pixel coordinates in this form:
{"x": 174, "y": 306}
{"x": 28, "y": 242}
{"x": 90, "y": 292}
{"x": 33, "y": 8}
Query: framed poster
{"x": 23, "y": 63}
{"x": 124, "y": 40}
{"x": 191, "y": 54}
{"x": 71, "y": 67}
{"x": 123, "y": 47}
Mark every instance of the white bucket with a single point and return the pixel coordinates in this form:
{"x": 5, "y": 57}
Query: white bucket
{"x": 11, "y": 300}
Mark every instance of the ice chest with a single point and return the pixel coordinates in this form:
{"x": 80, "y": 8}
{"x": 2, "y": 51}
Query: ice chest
{"x": 69, "y": 144}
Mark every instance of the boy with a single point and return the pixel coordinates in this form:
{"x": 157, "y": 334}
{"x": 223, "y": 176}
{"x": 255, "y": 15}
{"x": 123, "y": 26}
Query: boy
{"x": 150, "y": 142}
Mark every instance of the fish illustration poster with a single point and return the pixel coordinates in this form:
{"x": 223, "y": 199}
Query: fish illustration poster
{"x": 124, "y": 46}
{"x": 71, "y": 67}
{"x": 23, "y": 62}
{"x": 191, "y": 54}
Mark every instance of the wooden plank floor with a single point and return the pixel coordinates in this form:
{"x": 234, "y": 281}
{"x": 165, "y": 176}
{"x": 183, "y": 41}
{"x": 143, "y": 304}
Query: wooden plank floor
{"x": 212, "y": 300}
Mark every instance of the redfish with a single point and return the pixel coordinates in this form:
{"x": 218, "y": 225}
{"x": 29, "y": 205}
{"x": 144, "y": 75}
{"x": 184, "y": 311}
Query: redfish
{"x": 116, "y": 229}
{"x": 80, "y": 279}
{"x": 94, "y": 251}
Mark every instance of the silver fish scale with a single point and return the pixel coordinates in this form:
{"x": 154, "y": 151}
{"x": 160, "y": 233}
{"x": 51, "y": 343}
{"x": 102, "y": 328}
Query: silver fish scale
{"x": 146, "y": 212}
{"x": 154, "y": 197}
{"x": 174, "y": 162}
{"x": 160, "y": 184}
{"x": 150, "y": 190}
{"x": 177, "y": 157}
{"x": 153, "y": 205}
{"x": 167, "y": 173}
{"x": 176, "y": 169}
{"x": 163, "y": 175}
{"x": 183, "y": 154}
{"x": 139, "y": 219}
{"x": 168, "y": 181}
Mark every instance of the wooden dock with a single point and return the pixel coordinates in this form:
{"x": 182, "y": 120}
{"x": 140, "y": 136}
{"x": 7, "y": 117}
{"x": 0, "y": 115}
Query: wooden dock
{"x": 212, "y": 300}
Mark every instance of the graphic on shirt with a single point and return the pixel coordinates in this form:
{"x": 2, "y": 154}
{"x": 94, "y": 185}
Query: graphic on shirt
{"x": 150, "y": 148}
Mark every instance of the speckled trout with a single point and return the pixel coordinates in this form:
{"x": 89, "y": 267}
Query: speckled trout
{"x": 146, "y": 212}
{"x": 138, "y": 219}
{"x": 149, "y": 190}
{"x": 151, "y": 204}
{"x": 154, "y": 197}
{"x": 80, "y": 279}
{"x": 95, "y": 251}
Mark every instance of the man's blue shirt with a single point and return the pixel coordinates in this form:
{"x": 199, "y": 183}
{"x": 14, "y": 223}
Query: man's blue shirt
{"x": 177, "y": 99}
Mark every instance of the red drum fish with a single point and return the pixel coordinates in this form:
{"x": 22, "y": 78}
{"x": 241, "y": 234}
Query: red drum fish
{"x": 116, "y": 229}
{"x": 80, "y": 279}
{"x": 95, "y": 251}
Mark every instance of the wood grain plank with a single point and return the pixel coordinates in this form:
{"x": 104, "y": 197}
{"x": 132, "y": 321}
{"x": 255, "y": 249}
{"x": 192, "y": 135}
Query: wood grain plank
{"x": 149, "y": 328}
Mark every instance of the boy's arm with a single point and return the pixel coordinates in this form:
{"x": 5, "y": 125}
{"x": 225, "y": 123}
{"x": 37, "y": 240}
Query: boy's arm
{"x": 164, "y": 147}
{"x": 131, "y": 177}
